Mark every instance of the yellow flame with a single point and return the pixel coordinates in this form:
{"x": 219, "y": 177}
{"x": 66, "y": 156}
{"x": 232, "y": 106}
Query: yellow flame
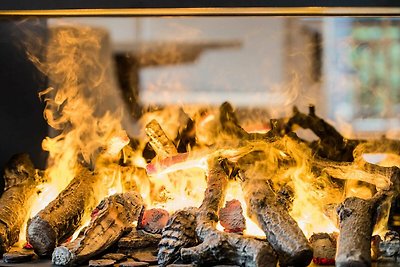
{"x": 80, "y": 108}
{"x": 89, "y": 130}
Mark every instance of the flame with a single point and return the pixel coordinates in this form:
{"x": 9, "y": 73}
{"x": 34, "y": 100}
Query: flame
{"x": 90, "y": 131}
{"x": 81, "y": 109}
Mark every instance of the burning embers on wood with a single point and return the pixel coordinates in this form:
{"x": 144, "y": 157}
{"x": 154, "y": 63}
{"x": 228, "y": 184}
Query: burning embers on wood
{"x": 277, "y": 175}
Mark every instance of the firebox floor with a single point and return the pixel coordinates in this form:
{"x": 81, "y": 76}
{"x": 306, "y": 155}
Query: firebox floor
{"x": 47, "y": 263}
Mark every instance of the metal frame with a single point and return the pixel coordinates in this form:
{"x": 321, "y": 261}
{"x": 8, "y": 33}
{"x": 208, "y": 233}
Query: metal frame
{"x": 199, "y": 7}
{"x": 273, "y": 11}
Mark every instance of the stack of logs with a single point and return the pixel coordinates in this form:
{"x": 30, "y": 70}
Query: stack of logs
{"x": 190, "y": 235}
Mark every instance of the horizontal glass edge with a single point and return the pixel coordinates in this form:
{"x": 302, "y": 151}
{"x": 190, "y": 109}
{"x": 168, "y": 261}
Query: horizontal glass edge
{"x": 273, "y": 11}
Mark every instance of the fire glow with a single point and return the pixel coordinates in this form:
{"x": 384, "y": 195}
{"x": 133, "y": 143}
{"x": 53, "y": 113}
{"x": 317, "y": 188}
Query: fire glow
{"x": 91, "y": 135}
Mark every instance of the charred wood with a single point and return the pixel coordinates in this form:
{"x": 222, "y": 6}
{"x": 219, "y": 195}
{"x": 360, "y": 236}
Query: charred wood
{"x": 113, "y": 216}
{"x": 14, "y": 209}
{"x": 220, "y": 247}
{"x": 61, "y": 217}
{"x": 356, "y": 222}
{"x": 18, "y": 169}
{"x": 148, "y": 153}
{"x": 230, "y": 125}
{"x": 381, "y": 177}
{"x": 382, "y": 145}
{"x": 180, "y": 232}
{"x": 230, "y": 248}
{"x": 159, "y": 141}
{"x": 332, "y": 144}
{"x": 137, "y": 239}
{"x": 285, "y": 196}
{"x": 280, "y": 228}
{"x": 15, "y": 201}
{"x": 186, "y": 137}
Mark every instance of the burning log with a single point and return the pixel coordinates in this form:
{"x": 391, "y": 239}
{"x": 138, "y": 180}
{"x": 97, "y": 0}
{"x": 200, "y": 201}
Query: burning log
{"x": 159, "y": 141}
{"x": 114, "y": 215}
{"x": 153, "y": 220}
{"x": 14, "y": 203}
{"x": 382, "y": 145}
{"x": 61, "y": 217}
{"x": 332, "y": 144}
{"x": 153, "y": 168}
{"x": 218, "y": 246}
{"x": 281, "y": 229}
{"x": 230, "y": 124}
{"x": 381, "y": 177}
{"x": 186, "y": 137}
{"x": 231, "y": 217}
{"x": 356, "y": 222}
{"x": 180, "y": 232}
{"x": 18, "y": 169}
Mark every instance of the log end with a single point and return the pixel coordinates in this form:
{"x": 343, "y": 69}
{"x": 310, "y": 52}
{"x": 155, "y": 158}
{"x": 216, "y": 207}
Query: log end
{"x": 41, "y": 236}
{"x": 266, "y": 257}
{"x": 62, "y": 256}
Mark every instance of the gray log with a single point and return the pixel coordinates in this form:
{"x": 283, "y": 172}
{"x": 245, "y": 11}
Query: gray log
{"x": 281, "y": 230}
{"x": 356, "y": 221}
{"x": 115, "y": 215}
{"x": 18, "y": 169}
{"x": 381, "y": 177}
{"x": 61, "y": 217}
{"x": 15, "y": 201}
{"x": 220, "y": 247}
{"x": 180, "y": 232}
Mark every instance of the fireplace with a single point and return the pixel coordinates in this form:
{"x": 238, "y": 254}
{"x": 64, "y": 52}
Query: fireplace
{"x": 205, "y": 134}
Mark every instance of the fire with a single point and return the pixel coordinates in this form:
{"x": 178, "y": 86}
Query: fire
{"x": 87, "y": 126}
{"x": 90, "y": 131}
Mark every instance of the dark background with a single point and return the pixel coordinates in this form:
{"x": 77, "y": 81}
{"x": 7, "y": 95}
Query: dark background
{"x": 21, "y": 111}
